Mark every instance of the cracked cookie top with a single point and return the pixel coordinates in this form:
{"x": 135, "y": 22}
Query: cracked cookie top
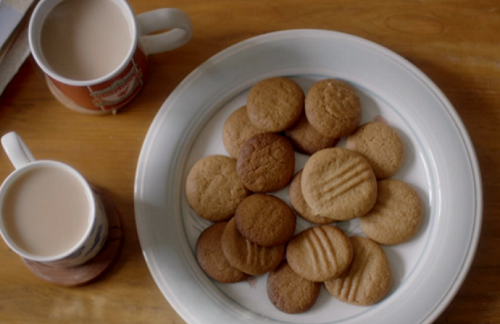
{"x": 266, "y": 163}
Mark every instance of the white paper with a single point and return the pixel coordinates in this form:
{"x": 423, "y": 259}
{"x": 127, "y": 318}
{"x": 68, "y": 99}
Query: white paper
{"x": 14, "y": 45}
{"x": 9, "y": 19}
{"x": 14, "y": 58}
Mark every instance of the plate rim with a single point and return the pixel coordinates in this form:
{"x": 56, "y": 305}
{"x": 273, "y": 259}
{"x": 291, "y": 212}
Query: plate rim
{"x": 231, "y": 50}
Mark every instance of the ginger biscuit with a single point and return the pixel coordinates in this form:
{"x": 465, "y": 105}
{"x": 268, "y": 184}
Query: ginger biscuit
{"x": 213, "y": 188}
{"x": 289, "y": 292}
{"x": 339, "y": 184}
{"x": 396, "y": 216}
{"x": 237, "y": 130}
{"x": 333, "y": 108}
{"x": 368, "y": 278}
{"x": 265, "y": 220}
{"x": 305, "y": 139}
{"x": 211, "y": 258}
{"x": 380, "y": 145}
{"x": 300, "y": 205}
{"x": 275, "y": 104}
{"x": 247, "y": 256}
{"x": 319, "y": 253}
{"x": 266, "y": 163}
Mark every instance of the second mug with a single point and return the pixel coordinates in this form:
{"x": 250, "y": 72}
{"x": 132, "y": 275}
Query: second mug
{"x": 93, "y": 52}
{"x": 48, "y": 212}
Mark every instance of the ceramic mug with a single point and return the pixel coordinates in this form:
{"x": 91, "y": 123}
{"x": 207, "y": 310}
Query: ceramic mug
{"x": 83, "y": 247}
{"x": 112, "y": 91}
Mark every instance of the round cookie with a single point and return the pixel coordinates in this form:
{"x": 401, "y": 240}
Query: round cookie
{"x": 300, "y": 205}
{"x": 333, "y": 108}
{"x": 319, "y": 253}
{"x": 237, "y": 130}
{"x": 396, "y": 216}
{"x": 339, "y": 184}
{"x": 247, "y": 256}
{"x": 265, "y": 220}
{"x": 305, "y": 139}
{"x": 211, "y": 258}
{"x": 289, "y": 292}
{"x": 380, "y": 145}
{"x": 266, "y": 163}
{"x": 213, "y": 188}
{"x": 275, "y": 104}
{"x": 369, "y": 277}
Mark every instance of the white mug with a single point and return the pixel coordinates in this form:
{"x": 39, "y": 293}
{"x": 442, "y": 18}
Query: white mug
{"x": 112, "y": 91}
{"x": 94, "y": 232}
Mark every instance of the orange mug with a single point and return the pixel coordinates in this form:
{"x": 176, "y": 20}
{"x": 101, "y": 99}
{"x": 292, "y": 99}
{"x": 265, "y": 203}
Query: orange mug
{"x": 108, "y": 92}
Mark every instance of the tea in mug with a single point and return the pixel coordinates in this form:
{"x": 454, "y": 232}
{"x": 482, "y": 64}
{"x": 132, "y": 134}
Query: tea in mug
{"x": 85, "y": 39}
{"x": 46, "y": 211}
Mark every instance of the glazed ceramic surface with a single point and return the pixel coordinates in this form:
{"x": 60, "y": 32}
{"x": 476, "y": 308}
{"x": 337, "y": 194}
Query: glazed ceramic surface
{"x": 440, "y": 164}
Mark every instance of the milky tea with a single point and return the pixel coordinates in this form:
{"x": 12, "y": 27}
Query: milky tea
{"x": 85, "y": 39}
{"x": 46, "y": 211}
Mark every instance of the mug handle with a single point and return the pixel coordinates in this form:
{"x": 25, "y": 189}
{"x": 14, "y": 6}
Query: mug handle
{"x": 159, "y": 19}
{"x": 17, "y": 151}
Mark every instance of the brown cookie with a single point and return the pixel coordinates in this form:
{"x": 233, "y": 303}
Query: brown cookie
{"x": 333, "y": 108}
{"x": 266, "y": 163}
{"x": 319, "y": 253}
{"x": 289, "y": 292}
{"x": 306, "y": 139}
{"x": 339, "y": 184}
{"x": 300, "y": 205}
{"x": 237, "y": 130}
{"x": 213, "y": 188}
{"x": 211, "y": 258}
{"x": 396, "y": 216}
{"x": 265, "y": 220}
{"x": 380, "y": 145}
{"x": 275, "y": 104}
{"x": 369, "y": 277}
{"x": 247, "y": 256}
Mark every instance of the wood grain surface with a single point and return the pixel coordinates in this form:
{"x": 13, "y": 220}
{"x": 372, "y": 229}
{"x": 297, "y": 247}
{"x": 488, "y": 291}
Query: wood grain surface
{"x": 456, "y": 43}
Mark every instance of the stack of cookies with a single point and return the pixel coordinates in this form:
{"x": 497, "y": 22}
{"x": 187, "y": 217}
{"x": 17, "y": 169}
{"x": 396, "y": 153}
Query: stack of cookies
{"x": 254, "y": 232}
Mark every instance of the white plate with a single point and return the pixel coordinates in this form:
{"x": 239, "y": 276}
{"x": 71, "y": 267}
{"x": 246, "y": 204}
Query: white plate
{"x": 440, "y": 164}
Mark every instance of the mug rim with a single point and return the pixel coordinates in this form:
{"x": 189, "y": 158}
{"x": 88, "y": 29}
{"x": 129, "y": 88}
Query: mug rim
{"x": 13, "y": 176}
{"x": 34, "y": 35}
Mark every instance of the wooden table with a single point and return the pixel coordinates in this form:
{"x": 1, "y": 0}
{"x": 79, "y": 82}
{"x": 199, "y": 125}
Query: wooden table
{"x": 457, "y": 44}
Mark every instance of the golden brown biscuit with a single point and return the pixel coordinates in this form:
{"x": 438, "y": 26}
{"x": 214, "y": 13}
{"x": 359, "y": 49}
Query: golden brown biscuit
{"x": 275, "y": 104}
{"x": 339, "y": 184}
{"x": 380, "y": 145}
{"x": 265, "y": 220}
{"x": 396, "y": 216}
{"x": 237, "y": 130}
{"x": 369, "y": 277}
{"x": 211, "y": 258}
{"x": 266, "y": 163}
{"x": 305, "y": 139}
{"x": 289, "y": 292}
{"x": 247, "y": 256}
{"x": 333, "y": 108}
{"x": 300, "y": 205}
{"x": 213, "y": 188}
{"x": 319, "y": 253}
